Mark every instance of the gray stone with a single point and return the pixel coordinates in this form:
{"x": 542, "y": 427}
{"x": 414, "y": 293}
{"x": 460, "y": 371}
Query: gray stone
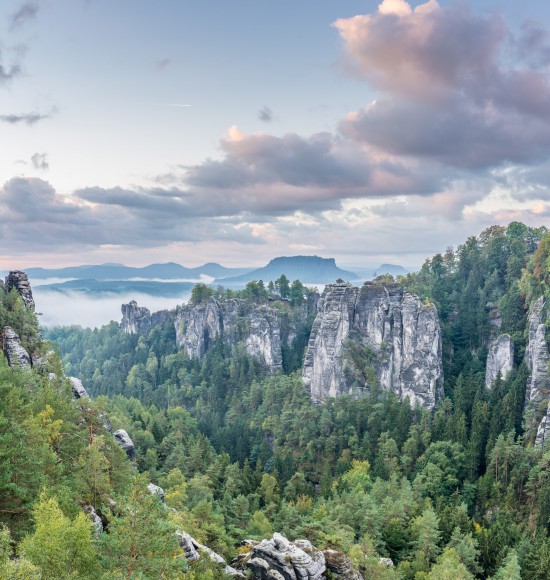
{"x": 78, "y": 388}
{"x": 387, "y": 562}
{"x": 186, "y": 544}
{"x": 14, "y": 351}
{"x": 537, "y": 357}
{"x": 139, "y": 320}
{"x": 123, "y": 439}
{"x": 98, "y": 524}
{"x": 500, "y": 359}
{"x": 193, "y": 551}
{"x": 382, "y": 328}
{"x": 288, "y": 559}
{"x": 19, "y": 280}
{"x": 156, "y": 490}
{"x": 234, "y": 321}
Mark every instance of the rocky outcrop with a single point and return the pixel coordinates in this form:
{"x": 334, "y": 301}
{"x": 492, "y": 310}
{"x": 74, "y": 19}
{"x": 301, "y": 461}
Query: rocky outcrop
{"x": 139, "y": 320}
{"x": 96, "y": 520}
{"x": 78, "y": 388}
{"x": 156, "y": 490}
{"x": 340, "y": 566}
{"x": 234, "y": 321}
{"x": 500, "y": 359}
{"x": 537, "y": 358}
{"x": 374, "y": 334}
{"x": 19, "y": 280}
{"x": 193, "y": 551}
{"x": 279, "y": 558}
{"x": 14, "y": 351}
{"x": 123, "y": 439}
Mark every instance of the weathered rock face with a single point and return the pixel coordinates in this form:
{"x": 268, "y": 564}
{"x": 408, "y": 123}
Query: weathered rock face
{"x": 123, "y": 439}
{"x": 374, "y": 333}
{"x": 500, "y": 359}
{"x": 14, "y": 351}
{"x": 234, "y": 321}
{"x": 19, "y": 280}
{"x": 139, "y": 320}
{"x": 279, "y": 558}
{"x": 156, "y": 490}
{"x": 340, "y": 566}
{"x": 96, "y": 520}
{"x": 537, "y": 357}
{"x": 193, "y": 551}
{"x": 78, "y": 388}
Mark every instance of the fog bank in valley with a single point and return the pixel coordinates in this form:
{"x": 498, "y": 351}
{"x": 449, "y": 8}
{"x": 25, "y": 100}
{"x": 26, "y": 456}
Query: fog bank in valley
{"x": 68, "y": 308}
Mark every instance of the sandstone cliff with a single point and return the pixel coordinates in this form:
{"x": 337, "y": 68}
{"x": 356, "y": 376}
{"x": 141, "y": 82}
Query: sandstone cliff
{"x": 500, "y": 359}
{"x": 260, "y": 328}
{"x": 374, "y": 334}
{"x": 139, "y": 320}
{"x": 537, "y": 357}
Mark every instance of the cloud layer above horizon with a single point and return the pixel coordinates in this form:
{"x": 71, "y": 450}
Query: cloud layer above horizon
{"x": 456, "y": 138}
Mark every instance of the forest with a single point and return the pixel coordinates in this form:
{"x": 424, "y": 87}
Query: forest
{"x": 461, "y": 491}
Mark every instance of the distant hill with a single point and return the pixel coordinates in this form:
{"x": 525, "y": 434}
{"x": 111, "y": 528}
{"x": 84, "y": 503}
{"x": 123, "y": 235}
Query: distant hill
{"x": 369, "y": 273}
{"x": 102, "y": 287}
{"x": 308, "y": 269}
{"x": 167, "y": 271}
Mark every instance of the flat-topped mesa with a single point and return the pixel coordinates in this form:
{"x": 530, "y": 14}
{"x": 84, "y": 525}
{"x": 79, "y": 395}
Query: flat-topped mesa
{"x": 19, "y": 280}
{"x": 374, "y": 334}
{"x": 139, "y": 320}
{"x": 257, "y": 327}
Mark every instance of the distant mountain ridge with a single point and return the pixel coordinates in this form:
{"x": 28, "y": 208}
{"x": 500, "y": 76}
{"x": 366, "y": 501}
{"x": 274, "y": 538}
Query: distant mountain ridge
{"x": 308, "y": 269}
{"x": 167, "y": 271}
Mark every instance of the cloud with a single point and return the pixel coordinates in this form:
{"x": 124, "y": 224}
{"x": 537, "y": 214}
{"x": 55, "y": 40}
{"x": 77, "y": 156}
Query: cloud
{"x": 26, "y": 118}
{"x": 163, "y": 63}
{"x": 447, "y": 92}
{"x": 26, "y": 13}
{"x": 40, "y": 161}
{"x": 265, "y": 114}
{"x": 7, "y": 73}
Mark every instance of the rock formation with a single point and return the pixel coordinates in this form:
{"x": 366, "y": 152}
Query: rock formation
{"x": 340, "y": 566}
{"x": 193, "y": 551}
{"x": 19, "y": 280}
{"x": 139, "y": 320}
{"x": 156, "y": 490}
{"x": 374, "y": 334}
{"x": 78, "y": 388}
{"x": 14, "y": 351}
{"x": 279, "y": 558}
{"x": 500, "y": 359}
{"x": 123, "y": 439}
{"x": 96, "y": 520}
{"x": 234, "y": 321}
{"x": 537, "y": 358}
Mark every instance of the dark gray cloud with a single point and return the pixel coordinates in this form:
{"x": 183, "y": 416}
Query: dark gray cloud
{"x": 26, "y": 13}
{"x": 40, "y": 161}
{"x": 26, "y": 118}
{"x": 265, "y": 114}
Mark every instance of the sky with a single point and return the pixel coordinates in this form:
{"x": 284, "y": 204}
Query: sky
{"x": 140, "y": 131}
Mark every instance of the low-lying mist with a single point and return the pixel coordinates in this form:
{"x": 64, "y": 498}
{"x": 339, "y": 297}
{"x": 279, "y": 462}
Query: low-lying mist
{"x": 68, "y": 308}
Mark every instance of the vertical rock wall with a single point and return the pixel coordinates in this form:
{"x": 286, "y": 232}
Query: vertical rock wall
{"x": 500, "y": 359}
{"x": 380, "y": 328}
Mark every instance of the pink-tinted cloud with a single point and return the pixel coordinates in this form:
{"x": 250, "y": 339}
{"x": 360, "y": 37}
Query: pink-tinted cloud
{"x": 455, "y": 87}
